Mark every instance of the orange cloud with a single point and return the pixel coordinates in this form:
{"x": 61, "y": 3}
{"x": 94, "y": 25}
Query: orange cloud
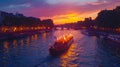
{"x": 67, "y": 18}
{"x": 71, "y": 17}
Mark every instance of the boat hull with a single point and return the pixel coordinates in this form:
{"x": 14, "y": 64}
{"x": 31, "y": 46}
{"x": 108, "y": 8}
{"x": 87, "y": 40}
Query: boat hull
{"x": 113, "y": 41}
{"x": 57, "y": 52}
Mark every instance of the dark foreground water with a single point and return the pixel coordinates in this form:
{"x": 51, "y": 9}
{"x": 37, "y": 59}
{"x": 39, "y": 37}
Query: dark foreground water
{"x": 32, "y": 51}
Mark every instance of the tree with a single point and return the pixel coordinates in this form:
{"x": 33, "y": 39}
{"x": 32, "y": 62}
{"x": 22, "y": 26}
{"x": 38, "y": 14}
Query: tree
{"x": 48, "y": 23}
{"x": 109, "y": 18}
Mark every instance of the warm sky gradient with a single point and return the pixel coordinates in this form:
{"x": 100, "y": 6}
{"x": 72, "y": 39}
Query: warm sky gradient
{"x": 61, "y": 11}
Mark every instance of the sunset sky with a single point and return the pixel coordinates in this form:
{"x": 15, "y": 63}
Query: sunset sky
{"x": 61, "y": 11}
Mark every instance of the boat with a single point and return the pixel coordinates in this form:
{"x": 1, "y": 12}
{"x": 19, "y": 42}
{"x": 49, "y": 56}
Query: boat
{"x": 61, "y": 45}
{"x": 114, "y": 38}
{"x": 88, "y": 33}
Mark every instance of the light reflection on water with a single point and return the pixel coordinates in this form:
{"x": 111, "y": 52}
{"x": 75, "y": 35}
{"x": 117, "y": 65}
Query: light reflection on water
{"x": 6, "y": 46}
{"x": 32, "y": 51}
{"x": 71, "y": 55}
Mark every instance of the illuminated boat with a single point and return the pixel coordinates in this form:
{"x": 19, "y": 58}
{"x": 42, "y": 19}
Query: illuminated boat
{"x": 61, "y": 45}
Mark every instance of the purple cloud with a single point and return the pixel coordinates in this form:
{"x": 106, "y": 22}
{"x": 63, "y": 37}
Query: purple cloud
{"x": 51, "y": 8}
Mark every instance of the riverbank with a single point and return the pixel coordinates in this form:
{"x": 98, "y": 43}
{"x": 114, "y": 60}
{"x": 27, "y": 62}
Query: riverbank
{"x": 112, "y": 36}
{"x": 19, "y": 34}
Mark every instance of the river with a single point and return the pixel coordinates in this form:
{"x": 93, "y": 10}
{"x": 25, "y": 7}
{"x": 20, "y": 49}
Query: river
{"x": 32, "y": 51}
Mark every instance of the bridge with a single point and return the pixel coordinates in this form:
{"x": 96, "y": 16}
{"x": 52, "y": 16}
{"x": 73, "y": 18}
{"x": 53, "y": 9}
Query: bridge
{"x": 63, "y": 27}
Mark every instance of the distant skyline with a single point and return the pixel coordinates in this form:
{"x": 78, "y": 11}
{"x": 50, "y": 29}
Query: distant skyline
{"x": 61, "y": 11}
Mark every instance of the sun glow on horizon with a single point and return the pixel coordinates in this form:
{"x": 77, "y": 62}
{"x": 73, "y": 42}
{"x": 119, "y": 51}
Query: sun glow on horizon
{"x": 71, "y": 17}
{"x": 60, "y": 11}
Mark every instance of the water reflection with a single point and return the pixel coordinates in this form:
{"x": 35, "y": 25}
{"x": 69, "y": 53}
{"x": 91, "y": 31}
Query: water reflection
{"x": 67, "y": 58}
{"x": 34, "y": 37}
{"x": 28, "y": 40}
{"x": 44, "y": 35}
{"x": 33, "y": 51}
{"x": 109, "y": 46}
{"x": 108, "y": 53}
{"x": 18, "y": 42}
{"x": 15, "y": 43}
{"x": 22, "y": 42}
{"x": 6, "y": 46}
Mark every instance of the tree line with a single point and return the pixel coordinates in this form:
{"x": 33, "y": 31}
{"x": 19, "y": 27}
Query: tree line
{"x": 105, "y": 19}
{"x": 109, "y": 18}
{"x": 9, "y": 19}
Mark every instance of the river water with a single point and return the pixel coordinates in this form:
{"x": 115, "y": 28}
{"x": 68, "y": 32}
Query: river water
{"x": 32, "y": 51}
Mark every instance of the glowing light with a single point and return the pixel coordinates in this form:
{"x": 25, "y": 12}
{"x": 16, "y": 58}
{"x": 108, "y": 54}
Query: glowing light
{"x": 21, "y": 28}
{"x": 6, "y": 46}
{"x": 15, "y": 43}
{"x": 14, "y": 29}
{"x": 67, "y": 57}
{"x": 71, "y": 17}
